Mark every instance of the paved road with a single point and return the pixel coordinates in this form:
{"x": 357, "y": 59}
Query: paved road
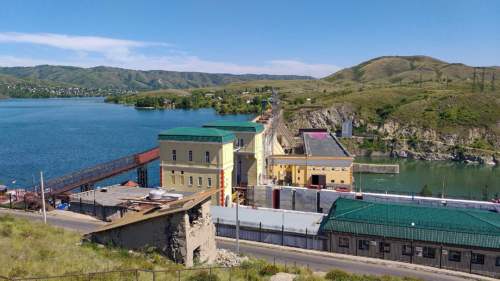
{"x": 322, "y": 263}
{"x": 82, "y": 226}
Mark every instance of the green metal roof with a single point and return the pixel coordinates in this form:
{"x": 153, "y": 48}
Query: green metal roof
{"x": 237, "y": 126}
{"x": 197, "y": 134}
{"x": 468, "y": 227}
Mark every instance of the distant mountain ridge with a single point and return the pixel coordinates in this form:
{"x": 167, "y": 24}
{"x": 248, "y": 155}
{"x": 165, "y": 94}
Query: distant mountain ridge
{"x": 127, "y": 79}
{"x": 395, "y": 69}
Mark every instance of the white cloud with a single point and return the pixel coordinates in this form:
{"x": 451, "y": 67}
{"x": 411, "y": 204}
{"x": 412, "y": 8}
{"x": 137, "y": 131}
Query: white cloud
{"x": 127, "y": 54}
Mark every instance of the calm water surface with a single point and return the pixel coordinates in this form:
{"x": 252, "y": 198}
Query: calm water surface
{"x": 63, "y": 135}
{"x": 460, "y": 180}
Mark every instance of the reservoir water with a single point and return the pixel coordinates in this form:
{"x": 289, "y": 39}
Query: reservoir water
{"x": 460, "y": 180}
{"x": 59, "y": 136}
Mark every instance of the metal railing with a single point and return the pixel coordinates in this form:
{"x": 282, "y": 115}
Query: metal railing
{"x": 222, "y": 273}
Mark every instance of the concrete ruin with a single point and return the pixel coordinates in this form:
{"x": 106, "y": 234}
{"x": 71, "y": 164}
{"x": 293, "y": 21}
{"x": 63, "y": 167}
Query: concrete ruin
{"x": 182, "y": 230}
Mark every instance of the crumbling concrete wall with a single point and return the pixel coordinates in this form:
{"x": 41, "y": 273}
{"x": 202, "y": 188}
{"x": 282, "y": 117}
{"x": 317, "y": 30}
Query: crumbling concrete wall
{"x": 184, "y": 237}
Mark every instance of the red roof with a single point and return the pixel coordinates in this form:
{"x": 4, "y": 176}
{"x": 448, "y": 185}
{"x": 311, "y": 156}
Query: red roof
{"x": 129, "y": 183}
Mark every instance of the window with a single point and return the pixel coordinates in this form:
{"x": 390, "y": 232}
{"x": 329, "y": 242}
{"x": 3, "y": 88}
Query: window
{"x": 200, "y": 181}
{"x": 429, "y": 252}
{"x": 385, "y": 247}
{"x": 182, "y": 172}
{"x": 190, "y": 182}
{"x": 342, "y": 181}
{"x": 343, "y": 242}
{"x": 241, "y": 143}
{"x": 454, "y": 256}
{"x": 190, "y": 155}
{"x": 207, "y": 156}
{"x": 173, "y": 179}
{"x": 497, "y": 261}
{"x": 332, "y": 181}
{"x": 363, "y": 245}
{"x": 477, "y": 258}
{"x": 174, "y": 155}
{"x": 407, "y": 250}
{"x": 209, "y": 182}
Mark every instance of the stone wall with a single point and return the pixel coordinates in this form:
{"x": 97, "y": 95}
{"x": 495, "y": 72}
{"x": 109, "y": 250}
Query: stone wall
{"x": 184, "y": 237}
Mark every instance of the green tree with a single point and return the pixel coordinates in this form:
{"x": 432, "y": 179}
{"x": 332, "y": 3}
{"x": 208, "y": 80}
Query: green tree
{"x": 485, "y": 192}
{"x": 426, "y": 191}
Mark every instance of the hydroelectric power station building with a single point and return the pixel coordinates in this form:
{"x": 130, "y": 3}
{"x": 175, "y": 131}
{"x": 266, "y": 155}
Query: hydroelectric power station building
{"x": 219, "y": 155}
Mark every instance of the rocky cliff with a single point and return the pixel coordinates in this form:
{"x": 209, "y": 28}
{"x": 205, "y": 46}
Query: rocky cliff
{"x": 393, "y": 138}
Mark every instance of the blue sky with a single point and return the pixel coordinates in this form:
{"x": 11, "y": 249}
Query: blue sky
{"x": 278, "y": 37}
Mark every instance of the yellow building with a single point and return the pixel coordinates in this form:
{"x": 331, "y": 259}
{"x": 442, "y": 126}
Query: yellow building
{"x": 249, "y": 151}
{"x": 192, "y": 159}
{"x": 324, "y": 164}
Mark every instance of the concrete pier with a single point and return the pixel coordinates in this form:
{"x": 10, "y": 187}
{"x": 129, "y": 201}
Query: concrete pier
{"x": 376, "y": 168}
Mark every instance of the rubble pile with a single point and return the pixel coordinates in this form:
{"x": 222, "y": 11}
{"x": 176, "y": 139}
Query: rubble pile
{"x": 227, "y": 258}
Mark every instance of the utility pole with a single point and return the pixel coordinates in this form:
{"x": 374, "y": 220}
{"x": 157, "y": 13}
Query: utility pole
{"x": 43, "y": 198}
{"x": 482, "y": 80}
{"x": 493, "y": 81}
{"x": 237, "y": 223}
{"x": 474, "y": 81}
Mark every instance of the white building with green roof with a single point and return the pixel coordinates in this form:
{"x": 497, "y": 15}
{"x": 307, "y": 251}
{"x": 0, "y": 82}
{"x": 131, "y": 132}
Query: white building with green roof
{"x": 193, "y": 159}
{"x": 249, "y": 162}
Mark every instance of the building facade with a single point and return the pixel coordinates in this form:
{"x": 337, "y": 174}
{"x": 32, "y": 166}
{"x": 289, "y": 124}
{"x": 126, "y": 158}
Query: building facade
{"x": 324, "y": 163}
{"x": 193, "y": 159}
{"x": 452, "y": 238}
{"x": 181, "y": 230}
{"x": 249, "y": 151}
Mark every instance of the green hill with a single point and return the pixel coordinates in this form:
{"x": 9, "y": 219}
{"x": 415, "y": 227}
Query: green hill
{"x": 127, "y": 79}
{"x": 409, "y": 69}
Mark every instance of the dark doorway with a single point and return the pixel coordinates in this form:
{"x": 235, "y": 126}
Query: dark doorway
{"x": 276, "y": 198}
{"x": 319, "y": 180}
{"x": 196, "y": 256}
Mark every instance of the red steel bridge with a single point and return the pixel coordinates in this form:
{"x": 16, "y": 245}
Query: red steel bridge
{"x": 86, "y": 178}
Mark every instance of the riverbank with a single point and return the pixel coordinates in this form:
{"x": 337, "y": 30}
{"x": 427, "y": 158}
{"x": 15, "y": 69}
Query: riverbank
{"x": 420, "y": 150}
{"x": 222, "y": 101}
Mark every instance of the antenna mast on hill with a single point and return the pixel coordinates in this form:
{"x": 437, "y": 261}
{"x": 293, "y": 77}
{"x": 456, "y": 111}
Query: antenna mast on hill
{"x": 474, "y": 81}
{"x": 493, "y": 81}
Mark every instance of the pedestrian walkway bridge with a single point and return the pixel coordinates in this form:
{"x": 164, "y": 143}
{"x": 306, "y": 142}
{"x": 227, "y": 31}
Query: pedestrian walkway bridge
{"x": 86, "y": 178}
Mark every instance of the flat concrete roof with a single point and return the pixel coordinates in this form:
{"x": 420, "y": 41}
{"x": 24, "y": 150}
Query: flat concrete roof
{"x": 276, "y": 160}
{"x": 323, "y": 144}
{"x": 115, "y": 195}
{"x": 273, "y": 219}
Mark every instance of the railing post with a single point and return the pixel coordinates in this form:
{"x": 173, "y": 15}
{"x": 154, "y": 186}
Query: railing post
{"x": 178, "y": 275}
{"x": 154, "y": 275}
{"x": 25, "y": 204}
{"x": 282, "y": 235}
{"x": 260, "y": 231}
{"x": 137, "y": 275}
{"x": 217, "y": 228}
{"x": 10, "y": 200}
{"x": 306, "y": 238}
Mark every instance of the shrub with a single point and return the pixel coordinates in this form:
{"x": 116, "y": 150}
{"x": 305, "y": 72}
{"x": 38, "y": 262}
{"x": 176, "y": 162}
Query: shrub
{"x": 338, "y": 275}
{"x": 269, "y": 269}
{"x": 204, "y": 276}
